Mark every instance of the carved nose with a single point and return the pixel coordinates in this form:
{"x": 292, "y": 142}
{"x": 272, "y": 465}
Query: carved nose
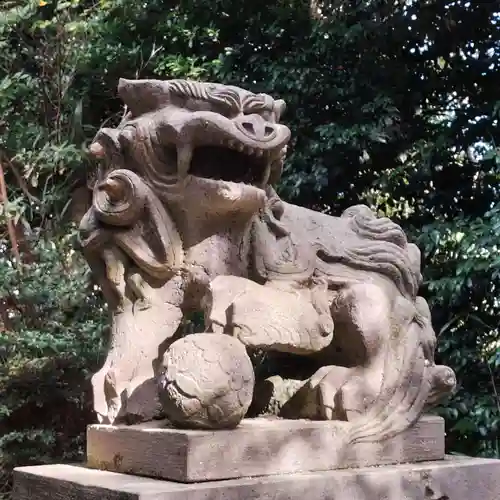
{"x": 256, "y": 128}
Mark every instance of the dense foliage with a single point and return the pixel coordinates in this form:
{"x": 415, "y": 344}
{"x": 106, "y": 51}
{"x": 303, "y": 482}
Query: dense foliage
{"x": 392, "y": 103}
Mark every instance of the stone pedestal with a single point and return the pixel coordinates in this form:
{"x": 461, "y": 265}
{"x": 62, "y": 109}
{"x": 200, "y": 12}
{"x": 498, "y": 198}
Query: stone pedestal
{"x": 268, "y": 459}
{"x": 448, "y": 479}
{"x": 258, "y": 447}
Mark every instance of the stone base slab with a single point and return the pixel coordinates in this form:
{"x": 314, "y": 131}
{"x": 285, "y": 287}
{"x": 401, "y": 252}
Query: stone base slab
{"x": 449, "y": 479}
{"x": 258, "y": 447}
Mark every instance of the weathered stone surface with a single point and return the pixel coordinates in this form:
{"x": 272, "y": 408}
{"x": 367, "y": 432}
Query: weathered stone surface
{"x": 218, "y": 393}
{"x": 184, "y": 218}
{"x": 258, "y": 447}
{"x": 449, "y": 479}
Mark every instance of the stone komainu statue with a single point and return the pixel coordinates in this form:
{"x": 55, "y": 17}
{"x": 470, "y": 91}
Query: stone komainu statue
{"x": 184, "y": 218}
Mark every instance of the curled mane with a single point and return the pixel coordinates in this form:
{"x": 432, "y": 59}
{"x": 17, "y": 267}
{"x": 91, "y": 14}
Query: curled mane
{"x": 380, "y": 247}
{"x": 377, "y": 245}
{"x": 232, "y": 99}
{"x": 216, "y": 94}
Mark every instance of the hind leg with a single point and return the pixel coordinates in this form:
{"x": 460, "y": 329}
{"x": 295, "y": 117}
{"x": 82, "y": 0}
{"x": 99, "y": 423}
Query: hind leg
{"x": 364, "y": 311}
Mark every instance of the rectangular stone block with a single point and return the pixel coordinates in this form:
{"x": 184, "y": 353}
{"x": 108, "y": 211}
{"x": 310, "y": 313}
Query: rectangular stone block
{"x": 258, "y": 447}
{"x": 452, "y": 478}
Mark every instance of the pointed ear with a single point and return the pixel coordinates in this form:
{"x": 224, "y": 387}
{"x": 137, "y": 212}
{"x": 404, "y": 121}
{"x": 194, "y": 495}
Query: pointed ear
{"x": 143, "y": 96}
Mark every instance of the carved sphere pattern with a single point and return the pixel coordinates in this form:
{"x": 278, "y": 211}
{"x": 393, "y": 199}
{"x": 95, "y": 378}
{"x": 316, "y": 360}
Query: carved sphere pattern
{"x": 207, "y": 382}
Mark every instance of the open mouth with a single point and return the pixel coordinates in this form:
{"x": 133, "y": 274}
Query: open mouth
{"x": 220, "y": 163}
{"x": 228, "y": 158}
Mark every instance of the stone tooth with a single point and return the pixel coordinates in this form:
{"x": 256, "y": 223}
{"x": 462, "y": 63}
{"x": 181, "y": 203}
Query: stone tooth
{"x": 266, "y": 174}
{"x": 259, "y": 153}
{"x": 184, "y": 155}
{"x": 231, "y": 143}
{"x": 240, "y": 147}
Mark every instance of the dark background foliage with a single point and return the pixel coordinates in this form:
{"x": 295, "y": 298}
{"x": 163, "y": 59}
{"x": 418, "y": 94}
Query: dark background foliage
{"x": 392, "y": 103}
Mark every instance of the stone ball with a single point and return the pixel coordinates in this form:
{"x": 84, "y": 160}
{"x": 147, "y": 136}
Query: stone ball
{"x": 206, "y": 382}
